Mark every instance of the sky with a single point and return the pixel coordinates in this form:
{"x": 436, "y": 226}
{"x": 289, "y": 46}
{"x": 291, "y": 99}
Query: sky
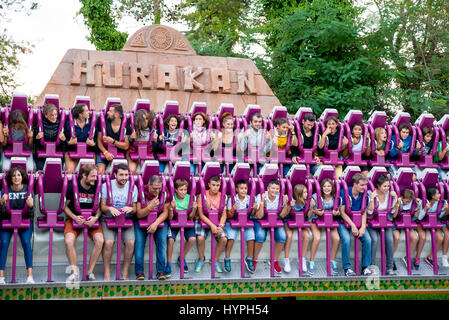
{"x": 53, "y": 29}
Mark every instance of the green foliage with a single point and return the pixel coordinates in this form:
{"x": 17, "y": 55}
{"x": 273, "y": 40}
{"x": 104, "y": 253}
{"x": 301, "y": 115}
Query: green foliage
{"x": 318, "y": 59}
{"x": 100, "y": 19}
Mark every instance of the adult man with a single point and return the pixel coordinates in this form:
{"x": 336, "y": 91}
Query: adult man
{"x": 86, "y": 195}
{"x": 253, "y": 137}
{"x": 153, "y": 198}
{"x": 307, "y": 134}
{"x": 356, "y": 193}
{"x": 121, "y": 204}
{"x": 113, "y": 129}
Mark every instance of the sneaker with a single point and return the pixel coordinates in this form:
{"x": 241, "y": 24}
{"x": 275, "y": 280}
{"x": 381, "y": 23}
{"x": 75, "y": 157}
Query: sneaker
{"x": 416, "y": 263}
{"x": 160, "y": 276}
{"x": 404, "y": 261}
{"x": 334, "y": 268}
{"x": 287, "y": 266}
{"x": 72, "y": 278}
{"x": 429, "y": 261}
{"x": 444, "y": 261}
{"x": 304, "y": 264}
{"x": 311, "y": 267}
{"x": 167, "y": 270}
{"x": 91, "y": 276}
{"x": 227, "y": 265}
{"x": 349, "y": 272}
{"x": 277, "y": 268}
{"x": 186, "y": 269}
{"x": 254, "y": 265}
{"x": 218, "y": 267}
{"x": 366, "y": 271}
{"x": 140, "y": 276}
{"x": 390, "y": 272}
{"x": 30, "y": 280}
{"x": 199, "y": 265}
{"x": 249, "y": 265}
{"x": 2, "y": 280}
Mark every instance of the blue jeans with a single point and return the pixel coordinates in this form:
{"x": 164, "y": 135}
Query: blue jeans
{"x": 261, "y": 233}
{"x": 389, "y": 246}
{"x": 160, "y": 238}
{"x": 25, "y": 238}
{"x": 346, "y": 238}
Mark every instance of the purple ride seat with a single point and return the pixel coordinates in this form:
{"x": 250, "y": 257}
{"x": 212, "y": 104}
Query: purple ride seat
{"x": 270, "y": 220}
{"x": 15, "y": 220}
{"x": 427, "y": 120}
{"x": 142, "y": 149}
{"x": 51, "y": 179}
{"x": 403, "y": 179}
{"x": 299, "y": 174}
{"x": 20, "y": 102}
{"x": 379, "y": 218}
{"x": 109, "y": 146}
{"x": 442, "y": 126}
{"x": 180, "y": 219}
{"x": 403, "y": 159}
{"x": 225, "y": 154}
{"x": 81, "y": 147}
{"x": 355, "y": 157}
{"x": 356, "y": 216}
{"x": 211, "y": 169}
{"x": 241, "y": 171}
{"x": 376, "y": 120}
{"x": 429, "y": 178}
{"x": 198, "y": 153}
{"x": 331, "y": 156}
{"x": 150, "y": 168}
{"x": 50, "y": 146}
{"x": 170, "y": 153}
{"x": 85, "y": 213}
{"x": 326, "y": 221}
{"x": 118, "y": 222}
{"x": 306, "y": 156}
{"x": 255, "y": 153}
{"x": 279, "y": 156}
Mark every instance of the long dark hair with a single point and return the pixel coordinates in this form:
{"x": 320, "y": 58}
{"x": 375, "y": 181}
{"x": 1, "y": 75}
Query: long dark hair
{"x": 11, "y": 172}
{"x": 17, "y": 117}
{"x": 139, "y": 121}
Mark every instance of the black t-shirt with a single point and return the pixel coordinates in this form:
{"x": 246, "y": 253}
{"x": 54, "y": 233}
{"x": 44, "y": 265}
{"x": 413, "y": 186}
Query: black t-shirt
{"x": 86, "y": 197}
{"x": 307, "y": 141}
{"x": 115, "y": 135}
{"x": 17, "y": 201}
{"x": 333, "y": 142}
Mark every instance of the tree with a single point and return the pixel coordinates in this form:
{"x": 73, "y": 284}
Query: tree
{"x": 416, "y": 41}
{"x": 318, "y": 58}
{"x": 10, "y": 49}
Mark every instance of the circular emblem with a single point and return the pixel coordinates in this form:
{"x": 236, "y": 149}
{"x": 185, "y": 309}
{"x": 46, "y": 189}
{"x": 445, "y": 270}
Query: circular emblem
{"x": 161, "y": 38}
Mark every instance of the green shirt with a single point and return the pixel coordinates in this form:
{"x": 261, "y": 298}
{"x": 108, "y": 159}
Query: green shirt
{"x": 182, "y": 204}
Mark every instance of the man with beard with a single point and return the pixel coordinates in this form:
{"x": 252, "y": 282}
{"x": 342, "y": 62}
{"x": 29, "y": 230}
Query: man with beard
{"x": 86, "y": 195}
{"x": 113, "y": 127}
{"x": 120, "y": 192}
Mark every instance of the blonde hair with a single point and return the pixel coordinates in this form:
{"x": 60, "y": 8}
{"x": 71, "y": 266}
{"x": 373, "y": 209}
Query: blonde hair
{"x": 298, "y": 194}
{"x": 377, "y": 132}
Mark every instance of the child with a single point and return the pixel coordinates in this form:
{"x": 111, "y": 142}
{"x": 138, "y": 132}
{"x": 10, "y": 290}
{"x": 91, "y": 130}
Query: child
{"x": 212, "y": 201}
{"x": 143, "y": 134}
{"x": 433, "y": 197}
{"x": 380, "y": 138}
{"x": 441, "y": 153}
{"x": 18, "y": 129}
{"x": 405, "y": 205}
{"x": 280, "y": 137}
{"x": 271, "y": 199}
{"x": 300, "y": 195}
{"x": 405, "y": 143}
{"x": 242, "y": 200}
{"x": 180, "y": 202}
{"x": 328, "y": 197}
{"x": 379, "y": 200}
{"x": 168, "y": 138}
{"x": 357, "y": 144}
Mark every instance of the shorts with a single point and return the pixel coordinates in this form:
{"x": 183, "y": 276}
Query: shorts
{"x": 230, "y": 232}
{"x": 188, "y": 233}
{"x": 204, "y": 232}
{"x": 68, "y": 228}
{"x": 280, "y": 235}
{"x": 110, "y": 234}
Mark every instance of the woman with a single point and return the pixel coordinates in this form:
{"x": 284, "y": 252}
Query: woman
{"x": 17, "y": 179}
{"x": 82, "y": 125}
{"x": 378, "y": 201}
{"x": 226, "y": 139}
{"x": 18, "y": 129}
{"x": 50, "y": 132}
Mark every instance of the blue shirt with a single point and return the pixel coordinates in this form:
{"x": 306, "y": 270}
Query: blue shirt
{"x": 356, "y": 203}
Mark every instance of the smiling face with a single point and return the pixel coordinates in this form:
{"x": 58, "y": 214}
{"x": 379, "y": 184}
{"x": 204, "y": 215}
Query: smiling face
{"x": 327, "y": 188}
{"x": 228, "y": 125}
{"x": 256, "y": 123}
{"x": 85, "y": 114}
{"x": 427, "y": 138}
{"x": 384, "y": 187}
{"x": 16, "y": 178}
{"x": 52, "y": 116}
{"x": 155, "y": 188}
{"x": 308, "y": 125}
{"x": 436, "y": 196}
{"x": 122, "y": 176}
{"x": 282, "y": 128}
{"x": 172, "y": 123}
{"x": 357, "y": 131}
{"x": 111, "y": 114}
{"x": 404, "y": 133}
{"x": 273, "y": 190}
{"x": 91, "y": 179}
{"x": 181, "y": 192}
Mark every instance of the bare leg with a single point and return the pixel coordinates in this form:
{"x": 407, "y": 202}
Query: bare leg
{"x": 69, "y": 240}
{"x": 107, "y": 254}
{"x": 96, "y": 251}
{"x": 129, "y": 251}
{"x": 316, "y": 240}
